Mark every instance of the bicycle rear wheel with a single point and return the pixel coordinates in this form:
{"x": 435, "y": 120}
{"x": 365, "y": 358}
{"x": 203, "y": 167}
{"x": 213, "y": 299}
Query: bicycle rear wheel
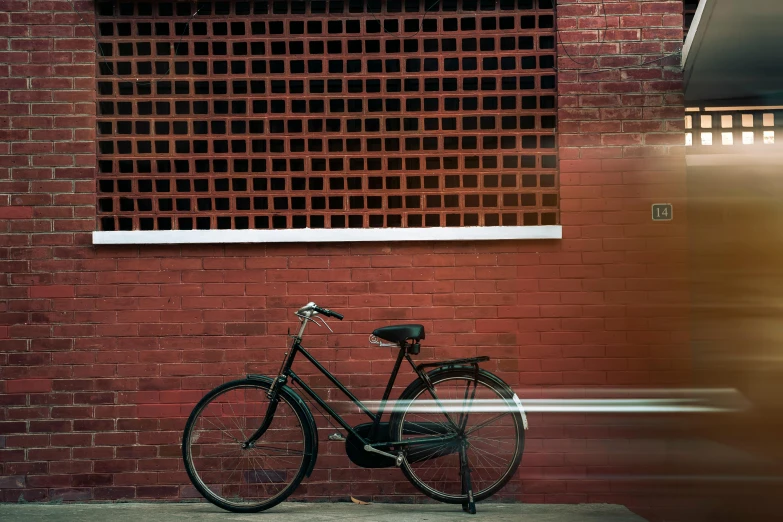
{"x": 493, "y": 435}
{"x": 246, "y": 480}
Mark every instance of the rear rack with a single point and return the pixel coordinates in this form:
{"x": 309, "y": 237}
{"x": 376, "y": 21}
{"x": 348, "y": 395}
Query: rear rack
{"x": 454, "y": 362}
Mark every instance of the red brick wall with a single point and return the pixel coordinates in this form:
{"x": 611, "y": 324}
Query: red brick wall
{"x": 104, "y": 350}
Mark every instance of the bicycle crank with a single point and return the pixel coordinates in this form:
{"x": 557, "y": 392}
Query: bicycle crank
{"x": 397, "y": 458}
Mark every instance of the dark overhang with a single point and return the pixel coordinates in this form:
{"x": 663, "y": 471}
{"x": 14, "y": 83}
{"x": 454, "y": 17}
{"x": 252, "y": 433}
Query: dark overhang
{"x": 734, "y": 53}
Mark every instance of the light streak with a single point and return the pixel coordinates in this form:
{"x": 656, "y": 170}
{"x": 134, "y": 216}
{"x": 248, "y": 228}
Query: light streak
{"x": 684, "y": 401}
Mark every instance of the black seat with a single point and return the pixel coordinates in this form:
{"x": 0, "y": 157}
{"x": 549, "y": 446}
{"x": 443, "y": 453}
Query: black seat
{"x": 399, "y": 333}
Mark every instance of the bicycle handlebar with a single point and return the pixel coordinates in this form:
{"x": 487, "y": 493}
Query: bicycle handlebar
{"x": 328, "y": 313}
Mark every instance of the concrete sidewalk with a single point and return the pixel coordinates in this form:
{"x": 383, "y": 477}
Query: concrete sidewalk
{"x": 289, "y": 512}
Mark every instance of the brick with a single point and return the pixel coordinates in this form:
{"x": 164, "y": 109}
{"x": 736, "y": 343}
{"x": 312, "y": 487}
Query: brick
{"x": 13, "y": 31}
{"x": 52, "y": 291}
{"x": 74, "y": 147}
{"x": 622, "y": 8}
{"x": 13, "y": 482}
{"x": 661, "y": 8}
{"x": 14, "y": 57}
{"x": 577, "y": 10}
{"x": 31, "y": 18}
{"x": 35, "y": 122}
{"x": 29, "y": 385}
{"x": 644, "y": 21}
{"x": 640, "y": 48}
{"x": 616, "y": 35}
{"x": 15, "y": 109}
{"x": 52, "y": 30}
{"x": 16, "y": 212}
{"x": 74, "y": 44}
{"x": 578, "y": 36}
{"x": 52, "y": 108}
{"x": 72, "y": 121}
{"x": 51, "y": 83}
{"x": 92, "y": 479}
{"x": 31, "y": 148}
{"x": 662, "y": 34}
{"x": 71, "y": 494}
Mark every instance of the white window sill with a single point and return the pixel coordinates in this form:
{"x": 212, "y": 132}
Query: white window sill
{"x": 314, "y": 235}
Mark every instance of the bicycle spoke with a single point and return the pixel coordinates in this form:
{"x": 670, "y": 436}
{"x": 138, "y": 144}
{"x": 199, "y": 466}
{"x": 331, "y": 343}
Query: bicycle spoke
{"x": 236, "y": 421}
{"x": 494, "y": 441}
{"x": 225, "y": 453}
{"x": 272, "y": 448}
{"x": 487, "y": 423}
{"x": 442, "y": 409}
{"x": 431, "y": 431}
{"x": 477, "y": 470}
{"x": 490, "y": 457}
{"x": 224, "y": 429}
{"x": 432, "y": 453}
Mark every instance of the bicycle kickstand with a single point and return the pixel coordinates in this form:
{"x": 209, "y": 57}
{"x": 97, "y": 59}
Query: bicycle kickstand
{"x": 467, "y": 488}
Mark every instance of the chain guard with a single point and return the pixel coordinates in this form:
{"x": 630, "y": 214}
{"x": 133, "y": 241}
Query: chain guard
{"x": 414, "y": 453}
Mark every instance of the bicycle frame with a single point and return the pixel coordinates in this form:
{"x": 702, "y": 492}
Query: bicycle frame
{"x": 286, "y": 372}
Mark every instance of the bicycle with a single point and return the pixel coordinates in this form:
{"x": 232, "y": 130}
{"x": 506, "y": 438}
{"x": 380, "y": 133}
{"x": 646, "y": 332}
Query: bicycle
{"x": 249, "y": 443}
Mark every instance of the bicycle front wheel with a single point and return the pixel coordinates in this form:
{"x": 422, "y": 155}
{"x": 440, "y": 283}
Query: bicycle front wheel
{"x": 239, "y": 479}
{"x": 479, "y": 416}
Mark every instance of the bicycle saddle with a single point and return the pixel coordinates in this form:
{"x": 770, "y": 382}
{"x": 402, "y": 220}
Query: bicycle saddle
{"x": 399, "y": 333}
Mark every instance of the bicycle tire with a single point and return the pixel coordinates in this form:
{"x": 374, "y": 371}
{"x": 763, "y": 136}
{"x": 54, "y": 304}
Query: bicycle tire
{"x": 440, "y": 375}
{"x": 309, "y": 447}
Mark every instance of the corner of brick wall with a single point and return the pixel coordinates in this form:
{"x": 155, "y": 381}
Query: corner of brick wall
{"x": 621, "y": 145}
{"x": 621, "y": 114}
{"x": 104, "y": 350}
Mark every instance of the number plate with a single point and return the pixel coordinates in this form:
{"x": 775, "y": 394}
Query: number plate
{"x": 662, "y": 212}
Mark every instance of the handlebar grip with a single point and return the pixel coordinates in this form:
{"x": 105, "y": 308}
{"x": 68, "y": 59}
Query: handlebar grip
{"x": 328, "y": 312}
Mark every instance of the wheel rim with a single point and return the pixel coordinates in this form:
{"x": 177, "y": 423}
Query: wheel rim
{"x": 493, "y": 450}
{"x": 244, "y": 477}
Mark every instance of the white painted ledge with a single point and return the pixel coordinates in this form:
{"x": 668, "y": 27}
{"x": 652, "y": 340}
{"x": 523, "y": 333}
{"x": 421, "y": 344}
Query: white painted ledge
{"x": 696, "y": 30}
{"x": 324, "y": 235}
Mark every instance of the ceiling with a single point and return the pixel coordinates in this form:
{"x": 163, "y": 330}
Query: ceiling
{"x": 734, "y": 53}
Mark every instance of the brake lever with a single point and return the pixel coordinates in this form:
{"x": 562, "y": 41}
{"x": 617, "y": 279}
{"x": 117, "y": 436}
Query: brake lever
{"x": 313, "y": 319}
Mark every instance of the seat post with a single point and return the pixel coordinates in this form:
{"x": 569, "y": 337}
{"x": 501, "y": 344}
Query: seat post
{"x": 388, "y": 390}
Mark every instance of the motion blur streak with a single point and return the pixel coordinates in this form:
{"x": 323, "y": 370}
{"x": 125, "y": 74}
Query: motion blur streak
{"x": 700, "y": 401}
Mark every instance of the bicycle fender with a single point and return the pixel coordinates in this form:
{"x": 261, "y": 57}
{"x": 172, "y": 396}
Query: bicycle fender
{"x": 521, "y": 410}
{"x": 296, "y": 398}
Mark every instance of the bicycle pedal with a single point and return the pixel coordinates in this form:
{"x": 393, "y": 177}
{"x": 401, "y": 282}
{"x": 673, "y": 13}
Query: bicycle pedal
{"x": 338, "y": 437}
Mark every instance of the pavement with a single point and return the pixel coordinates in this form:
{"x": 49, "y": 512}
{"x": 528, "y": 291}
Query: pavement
{"x": 312, "y": 512}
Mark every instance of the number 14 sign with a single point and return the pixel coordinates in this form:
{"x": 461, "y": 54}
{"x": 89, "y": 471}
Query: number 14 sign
{"x": 662, "y": 212}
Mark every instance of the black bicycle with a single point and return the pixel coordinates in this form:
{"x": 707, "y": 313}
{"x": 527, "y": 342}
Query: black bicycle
{"x": 457, "y": 431}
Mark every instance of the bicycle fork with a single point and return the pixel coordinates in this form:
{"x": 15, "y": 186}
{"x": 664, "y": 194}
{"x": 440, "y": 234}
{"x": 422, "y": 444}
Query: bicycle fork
{"x": 268, "y": 416}
{"x": 270, "y": 412}
{"x": 281, "y": 380}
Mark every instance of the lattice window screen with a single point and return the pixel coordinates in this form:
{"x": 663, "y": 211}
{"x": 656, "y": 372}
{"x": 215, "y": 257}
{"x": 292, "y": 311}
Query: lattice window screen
{"x": 732, "y": 130}
{"x": 355, "y": 114}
